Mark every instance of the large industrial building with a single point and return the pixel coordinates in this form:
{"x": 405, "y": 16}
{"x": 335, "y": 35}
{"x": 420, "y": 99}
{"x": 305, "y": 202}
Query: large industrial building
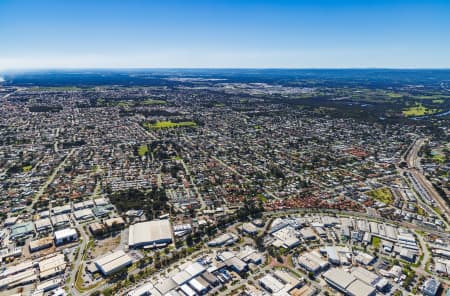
{"x": 348, "y": 283}
{"x": 312, "y": 262}
{"x": 66, "y": 235}
{"x": 156, "y": 233}
{"x": 113, "y": 262}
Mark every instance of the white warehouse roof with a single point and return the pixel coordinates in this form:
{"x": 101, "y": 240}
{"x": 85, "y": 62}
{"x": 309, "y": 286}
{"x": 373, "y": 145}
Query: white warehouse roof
{"x": 65, "y": 233}
{"x": 113, "y": 262}
{"x": 150, "y": 232}
{"x": 338, "y": 277}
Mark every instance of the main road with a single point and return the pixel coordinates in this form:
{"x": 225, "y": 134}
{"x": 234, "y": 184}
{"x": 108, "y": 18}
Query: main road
{"x": 51, "y": 178}
{"x": 414, "y": 168}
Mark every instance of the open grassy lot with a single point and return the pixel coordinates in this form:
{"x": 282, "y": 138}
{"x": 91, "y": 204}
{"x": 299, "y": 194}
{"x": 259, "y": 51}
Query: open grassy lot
{"x": 142, "y": 150}
{"x": 394, "y": 95}
{"x": 439, "y": 157}
{"x": 382, "y": 194}
{"x": 376, "y": 242}
{"x": 27, "y": 168}
{"x": 56, "y": 88}
{"x": 432, "y": 97}
{"x": 153, "y": 102}
{"x": 170, "y": 124}
{"x": 418, "y": 110}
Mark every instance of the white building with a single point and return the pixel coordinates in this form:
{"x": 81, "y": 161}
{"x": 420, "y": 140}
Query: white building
{"x": 113, "y": 262}
{"x": 151, "y": 233}
{"x": 65, "y": 236}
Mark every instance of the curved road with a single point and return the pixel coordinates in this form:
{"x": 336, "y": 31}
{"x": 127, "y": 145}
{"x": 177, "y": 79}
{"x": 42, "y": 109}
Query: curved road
{"x": 414, "y": 167}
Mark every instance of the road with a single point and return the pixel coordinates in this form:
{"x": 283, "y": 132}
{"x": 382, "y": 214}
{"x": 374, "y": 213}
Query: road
{"x": 415, "y": 169}
{"x": 199, "y": 195}
{"x": 51, "y": 178}
{"x": 149, "y": 134}
{"x": 78, "y": 262}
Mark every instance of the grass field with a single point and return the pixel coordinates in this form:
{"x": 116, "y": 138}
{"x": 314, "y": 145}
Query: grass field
{"x": 262, "y": 198}
{"x": 376, "y": 242}
{"x": 153, "y": 102}
{"x": 56, "y": 88}
{"x": 432, "y": 97}
{"x": 418, "y": 110}
{"x": 170, "y": 124}
{"x": 142, "y": 150}
{"x": 382, "y": 194}
{"x": 439, "y": 157}
{"x": 27, "y": 168}
{"x": 420, "y": 211}
{"x": 393, "y": 95}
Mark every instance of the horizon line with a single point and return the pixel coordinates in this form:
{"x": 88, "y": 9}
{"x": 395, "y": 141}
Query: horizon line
{"x": 38, "y": 69}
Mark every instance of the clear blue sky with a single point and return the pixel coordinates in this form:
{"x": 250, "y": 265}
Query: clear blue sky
{"x": 216, "y": 33}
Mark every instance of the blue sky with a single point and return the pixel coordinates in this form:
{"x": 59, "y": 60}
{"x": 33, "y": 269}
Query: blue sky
{"x": 216, "y": 33}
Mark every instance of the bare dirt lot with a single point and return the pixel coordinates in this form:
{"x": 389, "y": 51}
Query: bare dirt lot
{"x": 105, "y": 245}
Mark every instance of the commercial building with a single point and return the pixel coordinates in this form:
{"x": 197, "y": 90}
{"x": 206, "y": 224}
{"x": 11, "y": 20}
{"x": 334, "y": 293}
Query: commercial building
{"x": 358, "y": 288}
{"x": 223, "y": 240}
{"x": 182, "y": 229}
{"x": 288, "y": 279}
{"x": 60, "y": 221}
{"x": 187, "y": 290}
{"x": 347, "y": 283}
{"x": 84, "y": 214}
{"x": 333, "y": 256}
{"x": 210, "y": 278}
{"x": 181, "y": 277}
{"x": 97, "y": 228}
{"x": 271, "y": 284}
{"x": 308, "y": 234}
{"x": 65, "y": 209}
{"x": 65, "y": 236}
{"x": 101, "y": 201}
{"x": 199, "y": 285}
{"x": 43, "y": 225}
{"x": 40, "y": 244}
{"x": 338, "y": 279}
{"x": 166, "y": 286}
{"x": 49, "y": 285}
{"x": 83, "y": 205}
{"x": 22, "y": 278}
{"x": 286, "y": 237}
{"x": 156, "y": 233}
{"x": 113, "y": 262}
{"x": 237, "y": 264}
{"x": 407, "y": 255}
{"x": 16, "y": 269}
{"x": 188, "y": 272}
{"x": 303, "y": 291}
{"x": 249, "y": 228}
{"x": 145, "y": 290}
{"x": 114, "y": 223}
{"x": 365, "y": 276}
{"x": 10, "y": 221}
{"x": 312, "y": 262}
{"x": 100, "y": 212}
{"x": 21, "y": 230}
{"x": 51, "y": 266}
{"x": 364, "y": 258}
{"x": 431, "y": 287}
